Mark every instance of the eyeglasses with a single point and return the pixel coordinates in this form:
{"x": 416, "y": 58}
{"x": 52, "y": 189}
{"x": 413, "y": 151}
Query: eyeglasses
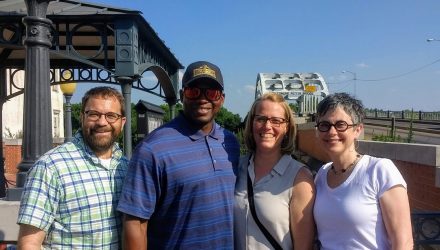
{"x": 274, "y": 121}
{"x": 110, "y": 117}
{"x": 340, "y": 126}
{"x": 194, "y": 93}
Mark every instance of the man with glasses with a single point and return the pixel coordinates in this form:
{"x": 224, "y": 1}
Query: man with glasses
{"x": 179, "y": 189}
{"x": 70, "y": 196}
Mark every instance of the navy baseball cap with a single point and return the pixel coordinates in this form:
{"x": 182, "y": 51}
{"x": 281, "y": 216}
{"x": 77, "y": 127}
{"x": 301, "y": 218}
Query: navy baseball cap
{"x": 202, "y": 70}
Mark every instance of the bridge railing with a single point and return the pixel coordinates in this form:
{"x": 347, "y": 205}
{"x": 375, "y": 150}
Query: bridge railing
{"x": 404, "y": 114}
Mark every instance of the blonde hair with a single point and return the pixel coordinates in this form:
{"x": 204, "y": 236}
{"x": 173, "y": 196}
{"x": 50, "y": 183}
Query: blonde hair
{"x": 288, "y": 144}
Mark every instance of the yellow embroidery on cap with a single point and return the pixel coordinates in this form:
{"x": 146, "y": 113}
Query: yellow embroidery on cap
{"x": 204, "y": 70}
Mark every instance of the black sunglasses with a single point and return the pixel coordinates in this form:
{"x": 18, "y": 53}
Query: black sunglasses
{"x": 340, "y": 126}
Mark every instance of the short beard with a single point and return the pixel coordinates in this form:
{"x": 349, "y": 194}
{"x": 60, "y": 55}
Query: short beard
{"x": 99, "y": 146}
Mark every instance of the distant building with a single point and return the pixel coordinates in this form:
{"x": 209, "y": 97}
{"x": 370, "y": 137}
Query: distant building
{"x": 150, "y": 117}
{"x": 12, "y": 122}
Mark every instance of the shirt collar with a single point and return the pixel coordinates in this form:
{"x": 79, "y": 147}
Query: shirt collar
{"x": 196, "y": 134}
{"x": 283, "y": 164}
{"x": 280, "y": 168}
{"x": 79, "y": 141}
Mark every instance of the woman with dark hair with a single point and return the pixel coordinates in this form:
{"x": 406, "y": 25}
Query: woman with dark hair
{"x": 274, "y": 194}
{"x": 361, "y": 201}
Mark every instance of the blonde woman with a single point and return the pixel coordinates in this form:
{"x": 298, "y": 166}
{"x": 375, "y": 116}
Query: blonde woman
{"x": 282, "y": 188}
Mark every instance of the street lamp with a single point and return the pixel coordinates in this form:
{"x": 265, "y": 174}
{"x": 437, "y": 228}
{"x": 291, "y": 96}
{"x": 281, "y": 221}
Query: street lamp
{"x": 354, "y": 79}
{"x": 68, "y": 89}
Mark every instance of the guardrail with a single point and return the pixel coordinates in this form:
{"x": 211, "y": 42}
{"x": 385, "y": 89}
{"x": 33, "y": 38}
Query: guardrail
{"x": 404, "y": 114}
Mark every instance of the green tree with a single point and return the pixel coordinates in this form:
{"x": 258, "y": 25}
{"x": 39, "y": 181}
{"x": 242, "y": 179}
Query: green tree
{"x": 76, "y": 112}
{"x": 228, "y": 120}
{"x": 294, "y": 107}
{"x": 166, "y": 108}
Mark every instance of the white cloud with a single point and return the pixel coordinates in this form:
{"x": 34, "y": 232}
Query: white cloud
{"x": 362, "y": 65}
{"x": 249, "y": 89}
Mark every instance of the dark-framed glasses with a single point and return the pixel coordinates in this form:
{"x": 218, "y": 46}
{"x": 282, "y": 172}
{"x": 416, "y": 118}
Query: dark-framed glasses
{"x": 340, "y": 126}
{"x": 110, "y": 117}
{"x": 193, "y": 93}
{"x": 274, "y": 121}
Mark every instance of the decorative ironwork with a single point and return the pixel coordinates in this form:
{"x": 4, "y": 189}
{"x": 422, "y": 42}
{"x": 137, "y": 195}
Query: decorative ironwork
{"x": 83, "y": 39}
{"x": 10, "y": 33}
{"x": 82, "y": 75}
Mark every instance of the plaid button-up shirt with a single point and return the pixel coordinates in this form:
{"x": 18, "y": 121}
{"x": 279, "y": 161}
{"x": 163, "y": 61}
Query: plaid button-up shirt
{"x": 72, "y": 196}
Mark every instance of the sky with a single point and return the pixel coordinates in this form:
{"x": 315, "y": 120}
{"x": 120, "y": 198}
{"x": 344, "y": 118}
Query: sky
{"x": 383, "y": 42}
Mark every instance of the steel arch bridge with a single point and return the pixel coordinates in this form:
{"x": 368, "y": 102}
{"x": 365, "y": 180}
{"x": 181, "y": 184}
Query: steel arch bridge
{"x": 305, "y": 89}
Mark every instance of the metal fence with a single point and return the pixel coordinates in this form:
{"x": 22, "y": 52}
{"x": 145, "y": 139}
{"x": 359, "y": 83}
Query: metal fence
{"x": 404, "y": 114}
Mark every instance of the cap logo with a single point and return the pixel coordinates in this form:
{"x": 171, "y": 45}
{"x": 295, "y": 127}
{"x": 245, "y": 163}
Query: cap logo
{"x": 204, "y": 70}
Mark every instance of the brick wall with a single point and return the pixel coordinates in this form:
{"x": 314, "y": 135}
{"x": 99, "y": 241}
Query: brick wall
{"x": 423, "y": 194}
{"x": 12, "y": 155}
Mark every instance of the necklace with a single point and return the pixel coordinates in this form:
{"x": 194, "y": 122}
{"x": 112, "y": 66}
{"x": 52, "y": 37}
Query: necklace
{"x": 342, "y": 171}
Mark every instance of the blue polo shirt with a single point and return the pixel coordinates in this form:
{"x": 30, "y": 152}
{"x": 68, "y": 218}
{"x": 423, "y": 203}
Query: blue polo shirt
{"x": 182, "y": 181}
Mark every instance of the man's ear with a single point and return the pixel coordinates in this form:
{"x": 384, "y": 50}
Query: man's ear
{"x": 223, "y": 99}
{"x": 123, "y": 120}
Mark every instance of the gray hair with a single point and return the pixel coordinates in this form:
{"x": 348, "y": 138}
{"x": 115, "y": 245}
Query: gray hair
{"x": 352, "y": 106}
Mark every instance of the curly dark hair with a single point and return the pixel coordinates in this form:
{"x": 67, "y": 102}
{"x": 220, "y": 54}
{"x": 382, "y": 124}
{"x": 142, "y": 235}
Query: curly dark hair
{"x": 352, "y": 106}
{"x": 103, "y": 92}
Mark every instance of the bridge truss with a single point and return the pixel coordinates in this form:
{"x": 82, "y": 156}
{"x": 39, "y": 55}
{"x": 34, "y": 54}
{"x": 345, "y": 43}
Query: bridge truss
{"x": 304, "y": 89}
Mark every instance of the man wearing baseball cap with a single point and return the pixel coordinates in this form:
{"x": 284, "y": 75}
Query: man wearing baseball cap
{"x": 179, "y": 189}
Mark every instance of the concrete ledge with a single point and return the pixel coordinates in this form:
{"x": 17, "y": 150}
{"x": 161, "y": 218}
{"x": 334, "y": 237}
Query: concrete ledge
{"x": 18, "y": 142}
{"x": 425, "y": 154}
{"x": 8, "y": 220}
{"x": 15, "y": 142}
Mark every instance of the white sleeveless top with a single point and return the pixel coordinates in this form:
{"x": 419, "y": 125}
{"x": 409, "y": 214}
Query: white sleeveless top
{"x": 272, "y": 195}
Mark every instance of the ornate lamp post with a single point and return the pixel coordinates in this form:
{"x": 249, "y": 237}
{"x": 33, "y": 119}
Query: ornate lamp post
{"x": 68, "y": 89}
{"x": 37, "y": 127}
